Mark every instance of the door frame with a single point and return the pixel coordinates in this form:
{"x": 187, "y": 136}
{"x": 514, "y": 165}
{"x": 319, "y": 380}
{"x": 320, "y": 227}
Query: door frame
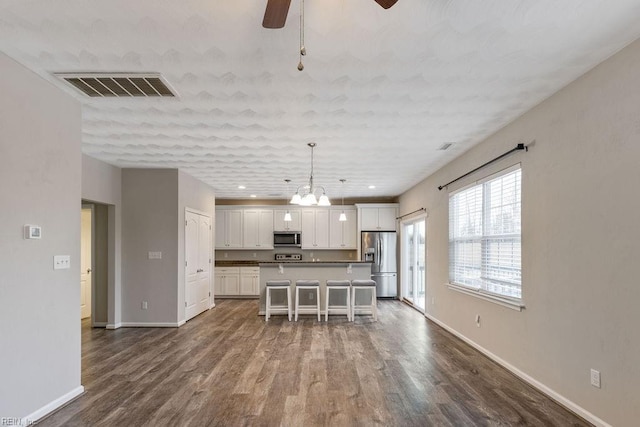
{"x": 403, "y": 256}
{"x": 91, "y": 206}
{"x": 211, "y": 263}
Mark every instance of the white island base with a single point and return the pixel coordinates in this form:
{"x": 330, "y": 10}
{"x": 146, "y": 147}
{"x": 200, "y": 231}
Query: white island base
{"x": 321, "y": 271}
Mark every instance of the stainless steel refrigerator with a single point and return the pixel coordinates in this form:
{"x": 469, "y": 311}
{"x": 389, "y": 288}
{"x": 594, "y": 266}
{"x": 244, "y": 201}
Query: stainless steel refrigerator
{"x": 379, "y": 248}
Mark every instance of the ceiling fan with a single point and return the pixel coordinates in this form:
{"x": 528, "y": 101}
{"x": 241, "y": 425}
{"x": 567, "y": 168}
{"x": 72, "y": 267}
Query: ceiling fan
{"x": 276, "y": 13}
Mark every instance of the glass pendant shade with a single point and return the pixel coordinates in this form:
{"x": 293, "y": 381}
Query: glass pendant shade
{"x": 324, "y": 201}
{"x": 343, "y": 217}
{"x": 296, "y": 199}
{"x": 287, "y": 217}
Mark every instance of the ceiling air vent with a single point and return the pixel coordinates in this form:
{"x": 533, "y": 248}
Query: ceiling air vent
{"x": 445, "y": 146}
{"x": 119, "y": 85}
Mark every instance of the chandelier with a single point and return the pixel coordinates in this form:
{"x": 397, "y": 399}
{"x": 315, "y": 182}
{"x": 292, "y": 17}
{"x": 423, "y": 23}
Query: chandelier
{"x": 305, "y": 195}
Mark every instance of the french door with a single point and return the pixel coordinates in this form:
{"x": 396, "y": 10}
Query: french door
{"x": 414, "y": 262}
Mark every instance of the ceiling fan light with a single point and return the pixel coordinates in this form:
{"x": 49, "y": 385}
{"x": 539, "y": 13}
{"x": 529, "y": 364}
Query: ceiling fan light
{"x": 296, "y": 199}
{"x": 343, "y": 217}
{"x": 324, "y": 201}
{"x": 287, "y": 217}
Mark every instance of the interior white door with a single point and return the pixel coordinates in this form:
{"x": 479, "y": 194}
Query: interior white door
{"x": 198, "y": 263}
{"x": 85, "y": 263}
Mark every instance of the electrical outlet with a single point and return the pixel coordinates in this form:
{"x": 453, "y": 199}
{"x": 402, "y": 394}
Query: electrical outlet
{"x": 254, "y": 254}
{"x": 595, "y": 378}
{"x": 155, "y": 255}
{"x": 144, "y": 305}
{"x": 226, "y": 255}
{"x": 310, "y": 295}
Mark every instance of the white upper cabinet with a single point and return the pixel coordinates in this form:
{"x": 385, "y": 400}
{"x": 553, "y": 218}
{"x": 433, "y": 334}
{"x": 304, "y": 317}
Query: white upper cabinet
{"x": 279, "y": 224}
{"x": 342, "y": 234}
{"x": 378, "y": 217}
{"x": 315, "y": 228}
{"x": 229, "y": 228}
{"x": 258, "y": 229}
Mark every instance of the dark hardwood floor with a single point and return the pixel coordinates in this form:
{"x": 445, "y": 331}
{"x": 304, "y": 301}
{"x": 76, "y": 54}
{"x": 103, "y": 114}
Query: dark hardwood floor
{"x": 228, "y": 367}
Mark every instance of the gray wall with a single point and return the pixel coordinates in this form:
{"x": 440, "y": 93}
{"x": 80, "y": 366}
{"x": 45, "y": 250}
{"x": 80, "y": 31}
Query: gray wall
{"x": 580, "y": 243}
{"x": 197, "y": 195}
{"x": 102, "y": 183}
{"x": 150, "y": 218}
{"x": 39, "y": 184}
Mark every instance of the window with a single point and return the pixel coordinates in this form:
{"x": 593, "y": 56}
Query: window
{"x": 484, "y": 236}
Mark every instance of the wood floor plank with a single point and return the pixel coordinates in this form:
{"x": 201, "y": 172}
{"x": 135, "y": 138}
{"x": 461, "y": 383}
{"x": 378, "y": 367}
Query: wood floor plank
{"x": 228, "y": 367}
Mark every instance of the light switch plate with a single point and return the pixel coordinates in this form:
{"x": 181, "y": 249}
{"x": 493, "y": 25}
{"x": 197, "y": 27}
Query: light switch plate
{"x": 155, "y": 255}
{"x": 61, "y": 262}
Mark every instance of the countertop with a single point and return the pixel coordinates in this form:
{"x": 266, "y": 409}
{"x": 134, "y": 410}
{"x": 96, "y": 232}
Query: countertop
{"x": 229, "y": 263}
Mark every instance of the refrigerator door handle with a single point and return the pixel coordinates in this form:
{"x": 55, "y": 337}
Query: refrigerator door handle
{"x": 379, "y": 250}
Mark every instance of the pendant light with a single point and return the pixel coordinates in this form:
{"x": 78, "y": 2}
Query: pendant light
{"x": 308, "y": 197}
{"x": 343, "y": 216}
{"x": 287, "y": 215}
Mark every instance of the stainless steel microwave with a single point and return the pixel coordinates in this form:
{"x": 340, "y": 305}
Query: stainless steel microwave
{"x": 287, "y": 238}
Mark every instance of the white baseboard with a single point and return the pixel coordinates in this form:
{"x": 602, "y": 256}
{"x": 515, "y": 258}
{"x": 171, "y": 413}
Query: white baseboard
{"x": 51, "y": 406}
{"x": 149, "y": 324}
{"x": 113, "y": 325}
{"x": 535, "y": 383}
{"x": 182, "y": 322}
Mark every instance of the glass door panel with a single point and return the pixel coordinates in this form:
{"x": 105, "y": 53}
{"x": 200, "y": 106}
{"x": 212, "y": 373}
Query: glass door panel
{"x": 414, "y": 263}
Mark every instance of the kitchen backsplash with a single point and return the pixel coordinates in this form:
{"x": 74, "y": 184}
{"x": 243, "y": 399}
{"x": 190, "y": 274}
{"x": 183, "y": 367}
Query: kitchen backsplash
{"x": 307, "y": 255}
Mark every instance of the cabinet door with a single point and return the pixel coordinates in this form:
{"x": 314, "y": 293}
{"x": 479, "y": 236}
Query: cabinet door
{"x": 221, "y": 234}
{"x": 387, "y": 219}
{"x": 265, "y": 229}
{"x": 233, "y": 228}
{"x": 342, "y": 234}
{"x": 279, "y": 224}
{"x": 218, "y": 285}
{"x": 250, "y": 281}
{"x": 232, "y": 284}
{"x": 251, "y": 229}
{"x": 308, "y": 229}
{"x": 369, "y": 219}
{"x": 322, "y": 229}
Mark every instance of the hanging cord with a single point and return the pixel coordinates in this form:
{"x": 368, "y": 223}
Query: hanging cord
{"x": 303, "y": 50}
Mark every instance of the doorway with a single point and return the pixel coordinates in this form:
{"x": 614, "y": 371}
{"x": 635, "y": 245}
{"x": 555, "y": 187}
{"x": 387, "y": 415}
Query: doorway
{"x": 86, "y": 260}
{"x": 414, "y": 260}
{"x": 95, "y": 270}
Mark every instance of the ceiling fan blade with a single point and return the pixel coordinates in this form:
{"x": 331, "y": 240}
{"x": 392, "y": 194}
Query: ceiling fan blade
{"x": 386, "y": 3}
{"x": 276, "y": 13}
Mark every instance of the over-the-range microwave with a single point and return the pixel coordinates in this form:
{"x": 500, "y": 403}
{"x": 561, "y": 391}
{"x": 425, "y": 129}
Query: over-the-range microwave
{"x": 287, "y": 239}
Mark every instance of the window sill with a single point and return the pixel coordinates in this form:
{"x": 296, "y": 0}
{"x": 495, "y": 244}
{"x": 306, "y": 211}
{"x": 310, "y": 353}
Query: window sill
{"x": 503, "y": 301}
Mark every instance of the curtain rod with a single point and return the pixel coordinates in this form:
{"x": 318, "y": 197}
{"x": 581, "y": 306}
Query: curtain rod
{"x": 407, "y": 214}
{"x": 517, "y": 148}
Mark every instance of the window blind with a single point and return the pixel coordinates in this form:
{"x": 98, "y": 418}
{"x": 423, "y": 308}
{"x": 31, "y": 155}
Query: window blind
{"x": 485, "y": 235}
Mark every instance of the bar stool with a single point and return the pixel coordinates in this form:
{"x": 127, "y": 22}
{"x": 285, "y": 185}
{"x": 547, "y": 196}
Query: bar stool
{"x": 334, "y": 285}
{"x": 369, "y": 286}
{"x": 274, "y": 285}
{"x": 313, "y": 285}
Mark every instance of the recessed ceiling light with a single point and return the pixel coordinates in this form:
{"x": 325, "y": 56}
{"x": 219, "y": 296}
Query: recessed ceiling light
{"x": 371, "y": 187}
{"x": 253, "y": 196}
{"x": 241, "y": 187}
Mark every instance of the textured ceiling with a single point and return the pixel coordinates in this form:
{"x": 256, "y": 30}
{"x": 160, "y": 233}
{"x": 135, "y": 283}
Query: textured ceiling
{"x": 380, "y": 92}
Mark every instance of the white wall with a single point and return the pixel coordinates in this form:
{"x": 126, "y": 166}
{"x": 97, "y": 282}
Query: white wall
{"x": 39, "y": 184}
{"x": 102, "y": 183}
{"x": 580, "y": 243}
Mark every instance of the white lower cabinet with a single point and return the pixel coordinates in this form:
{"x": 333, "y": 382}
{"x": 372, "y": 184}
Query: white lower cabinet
{"x": 250, "y": 281}
{"x": 237, "y": 281}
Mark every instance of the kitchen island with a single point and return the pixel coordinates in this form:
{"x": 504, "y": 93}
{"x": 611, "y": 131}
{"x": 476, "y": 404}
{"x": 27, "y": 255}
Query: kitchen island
{"x": 302, "y": 270}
